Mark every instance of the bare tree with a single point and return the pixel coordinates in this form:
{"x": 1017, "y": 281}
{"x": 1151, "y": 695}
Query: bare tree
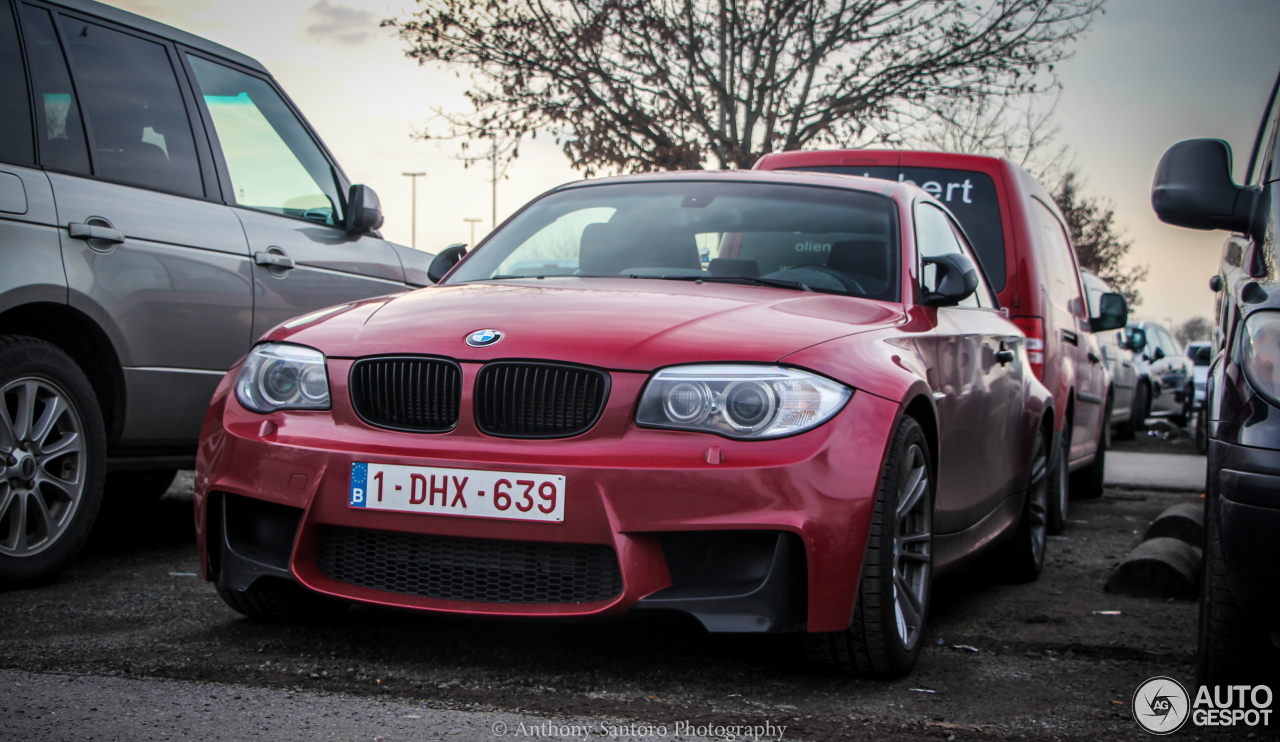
{"x": 1100, "y": 244}
{"x": 635, "y": 85}
{"x": 1193, "y": 330}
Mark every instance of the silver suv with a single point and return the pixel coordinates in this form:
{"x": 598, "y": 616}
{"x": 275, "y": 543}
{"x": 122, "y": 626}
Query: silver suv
{"x": 162, "y": 204}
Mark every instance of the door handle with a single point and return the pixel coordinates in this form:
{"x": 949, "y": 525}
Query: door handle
{"x": 274, "y": 260}
{"x": 95, "y": 232}
{"x": 1004, "y": 356}
{"x": 1070, "y": 337}
{"x": 1093, "y": 357}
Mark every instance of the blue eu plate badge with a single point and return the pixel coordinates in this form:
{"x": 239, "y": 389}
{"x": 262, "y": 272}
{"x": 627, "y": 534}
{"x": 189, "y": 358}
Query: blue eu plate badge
{"x": 359, "y": 484}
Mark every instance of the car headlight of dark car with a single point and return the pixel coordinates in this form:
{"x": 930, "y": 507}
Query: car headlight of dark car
{"x": 739, "y": 401}
{"x": 1261, "y": 353}
{"x": 276, "y": 376}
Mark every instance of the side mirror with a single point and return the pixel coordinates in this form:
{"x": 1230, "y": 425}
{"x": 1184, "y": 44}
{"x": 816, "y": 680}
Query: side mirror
{"x": 1158, "y": 354}
{"x": 445, "y": 260}
{"x": 364, "y": 211}
{"x": 1137, "y": 339}
{"x": 1113, "y": 313}
{"x": 1193, "y": 188}
{"x": 956, "y": 280}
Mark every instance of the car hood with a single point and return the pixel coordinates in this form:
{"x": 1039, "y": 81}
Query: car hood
{"x": 624, "y": 324}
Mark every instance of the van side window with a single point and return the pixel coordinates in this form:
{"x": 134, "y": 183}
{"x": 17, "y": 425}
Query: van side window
{"x": 1064, "y": 284}
{"x": 16, "y": 145}
{"x": 1261, "y": 162}
{"x": 273, "y": 162}
{"x": 58, "y": 127}
{"x": 935, "y": 236}
{"x": 986, "y": 297}
{"x": 141, "y": 133}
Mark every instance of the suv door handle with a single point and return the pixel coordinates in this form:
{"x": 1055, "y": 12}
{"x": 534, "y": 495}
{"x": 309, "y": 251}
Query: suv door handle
{"x": 95, "y": 232}
{"x": 275, "y": 260}
{"x": 1070, "y": 337}
{"x": 1004, "y": 356}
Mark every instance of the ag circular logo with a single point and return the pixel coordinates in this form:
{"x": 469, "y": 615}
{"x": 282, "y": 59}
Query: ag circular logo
{"x": 483, "y": 338}
{"x": 1161, "y": 705}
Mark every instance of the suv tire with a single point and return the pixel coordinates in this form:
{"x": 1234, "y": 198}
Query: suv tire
{"x": 1059, "y": 487}
{"x": 52, "y": 458}
{"x": 1022, "y": 558}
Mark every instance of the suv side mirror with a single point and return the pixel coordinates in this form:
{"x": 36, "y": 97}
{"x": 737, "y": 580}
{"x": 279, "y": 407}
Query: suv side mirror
{"x": 957, "y": 279}
{"x": 1113, "y": 313}
{"x": 1158, "y": 354}
{"x": 1193, "y": 188}
{"x": 1137, "y": 339}
{"x": 364, "y": 211}
{"x": 444, "y": 261}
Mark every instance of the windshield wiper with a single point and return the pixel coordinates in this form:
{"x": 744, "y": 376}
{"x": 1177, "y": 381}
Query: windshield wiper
{"x": 772, "y": 282}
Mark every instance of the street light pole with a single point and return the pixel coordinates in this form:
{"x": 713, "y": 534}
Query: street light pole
{"x": 472, "y": 243}
{"x": 413, "y": 213}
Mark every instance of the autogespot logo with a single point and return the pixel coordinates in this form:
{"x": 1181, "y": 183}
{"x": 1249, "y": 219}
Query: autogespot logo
{"x": 483, "y": 338}
{"x": 1160, "y": 705}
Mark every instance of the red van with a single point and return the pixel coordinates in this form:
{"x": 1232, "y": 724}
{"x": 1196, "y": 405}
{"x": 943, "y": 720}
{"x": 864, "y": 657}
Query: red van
{"x": 1021, "y": 240}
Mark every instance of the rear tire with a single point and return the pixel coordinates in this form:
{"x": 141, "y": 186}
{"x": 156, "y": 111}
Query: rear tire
{"x": 52, "y": 459}
{"x": 1141, "y": 407}
{"x": 1022, "y": 558}
{"x": 886, "y": 633}
{"x": 282, "y": 601}
{"x": 1088, "y": 483}
{"x": 1059, "y": 487}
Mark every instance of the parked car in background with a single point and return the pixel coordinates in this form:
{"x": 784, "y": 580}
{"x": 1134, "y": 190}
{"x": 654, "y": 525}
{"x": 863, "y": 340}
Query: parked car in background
{"x": 1240, "y": 606}
{"x": 1201, "y": 355}
{"x": 1118, "y": 357}
{"x": 162, "y": 204}
{"x": 797, "y": 435}
{"x": 1164, "y": 374}
{"x": 1023, "y": 244}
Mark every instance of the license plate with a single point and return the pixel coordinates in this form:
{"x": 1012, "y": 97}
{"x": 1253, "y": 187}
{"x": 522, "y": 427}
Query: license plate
{"x": 483, "y": 494}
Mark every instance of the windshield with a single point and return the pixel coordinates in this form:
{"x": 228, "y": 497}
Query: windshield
{"x": 808, "y": 238}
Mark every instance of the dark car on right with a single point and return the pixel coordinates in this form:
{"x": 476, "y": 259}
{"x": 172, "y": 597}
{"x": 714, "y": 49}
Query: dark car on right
{"x": 1239, "y": 638}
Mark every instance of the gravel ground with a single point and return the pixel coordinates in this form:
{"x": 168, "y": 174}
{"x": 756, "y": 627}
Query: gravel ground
{"x": 1033, "y": 661}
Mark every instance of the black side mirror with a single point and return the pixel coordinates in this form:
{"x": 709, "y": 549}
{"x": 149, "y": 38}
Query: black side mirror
{"x": 1113, "y": 313}
{"x": 1158, "y": 354}
{"x": 1137, "y": 339}
{"x": 956, "y": 280}
{"x": 364, "y": 211}
{"x": 445, "y": 260}
{"x": 1193, "y": 188}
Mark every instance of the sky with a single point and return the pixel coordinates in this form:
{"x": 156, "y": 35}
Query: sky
{"x": 1148, "y": 74}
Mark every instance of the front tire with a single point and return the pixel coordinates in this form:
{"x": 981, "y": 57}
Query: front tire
{"x": 1141, "y": 407}
{"x": 52, "y": 459}
{"x": 884, "y": 638}
{"x": 281, "y": 601}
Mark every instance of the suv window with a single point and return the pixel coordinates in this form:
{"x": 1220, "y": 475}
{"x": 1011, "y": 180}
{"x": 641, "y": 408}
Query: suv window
{"x": 58, "y": 126}
{"x": 141, "y": 133}
{"x": 1064, "y": 287}
{"x": 15, "y": 107}
{"x": 935, "y": 236}
{"x": 274, "y": 165}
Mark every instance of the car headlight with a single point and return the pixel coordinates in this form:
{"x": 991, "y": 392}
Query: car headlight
{"x": 1261, "y": 351}
{"x": 739, "y": 401}
{"x": 283, "y": 377}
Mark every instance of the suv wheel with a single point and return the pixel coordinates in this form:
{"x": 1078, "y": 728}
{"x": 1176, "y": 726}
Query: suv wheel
{"x": 1087, "y": 483}
{"x": 1059, "y": 487}
{"x": 1141, "y": 407}
{"x": 52, "y": 459}
{"x": 1022, "y": 558}
{"x": 886, "y": 633}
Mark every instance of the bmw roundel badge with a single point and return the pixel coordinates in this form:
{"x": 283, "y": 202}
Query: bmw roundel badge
{"x": 483, "y": 338}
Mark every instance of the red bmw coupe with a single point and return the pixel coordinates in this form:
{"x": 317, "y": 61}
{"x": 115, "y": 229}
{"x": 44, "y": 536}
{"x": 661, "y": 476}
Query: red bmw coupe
{"x": 774, "y": 401}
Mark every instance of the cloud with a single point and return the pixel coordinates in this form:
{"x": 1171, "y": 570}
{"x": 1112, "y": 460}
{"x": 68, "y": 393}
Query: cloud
{"x": 345, "y": 25}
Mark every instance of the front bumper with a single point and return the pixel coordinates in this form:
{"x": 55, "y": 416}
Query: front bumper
{"x": 769, "y": 538}
{"x": 1245, "y": 488}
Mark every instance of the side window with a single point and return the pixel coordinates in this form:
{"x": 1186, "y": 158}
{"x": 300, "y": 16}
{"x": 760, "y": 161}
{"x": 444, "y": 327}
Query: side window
{"x": 1261, "y": 162}
{"x": 985, "y": 296}
{"x": 1057, "y": 258}
{"x": 16, "y": 144}
{"x": 141, "y": 133}
{"x": 273, "y": 163}
{"x": 935, "y": 236}
{"x": 58, "y": 127}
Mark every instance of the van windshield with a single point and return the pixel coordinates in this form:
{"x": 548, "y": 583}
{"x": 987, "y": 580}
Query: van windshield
{"x": 970, "y": 195}
{"x": 816, "y": 239}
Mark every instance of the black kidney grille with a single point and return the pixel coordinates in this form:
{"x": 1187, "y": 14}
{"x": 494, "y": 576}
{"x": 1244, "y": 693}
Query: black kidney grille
{"x": 538, "y": 400}
{"x": 420, "y": 395}
{"x": 469, "y": 569}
